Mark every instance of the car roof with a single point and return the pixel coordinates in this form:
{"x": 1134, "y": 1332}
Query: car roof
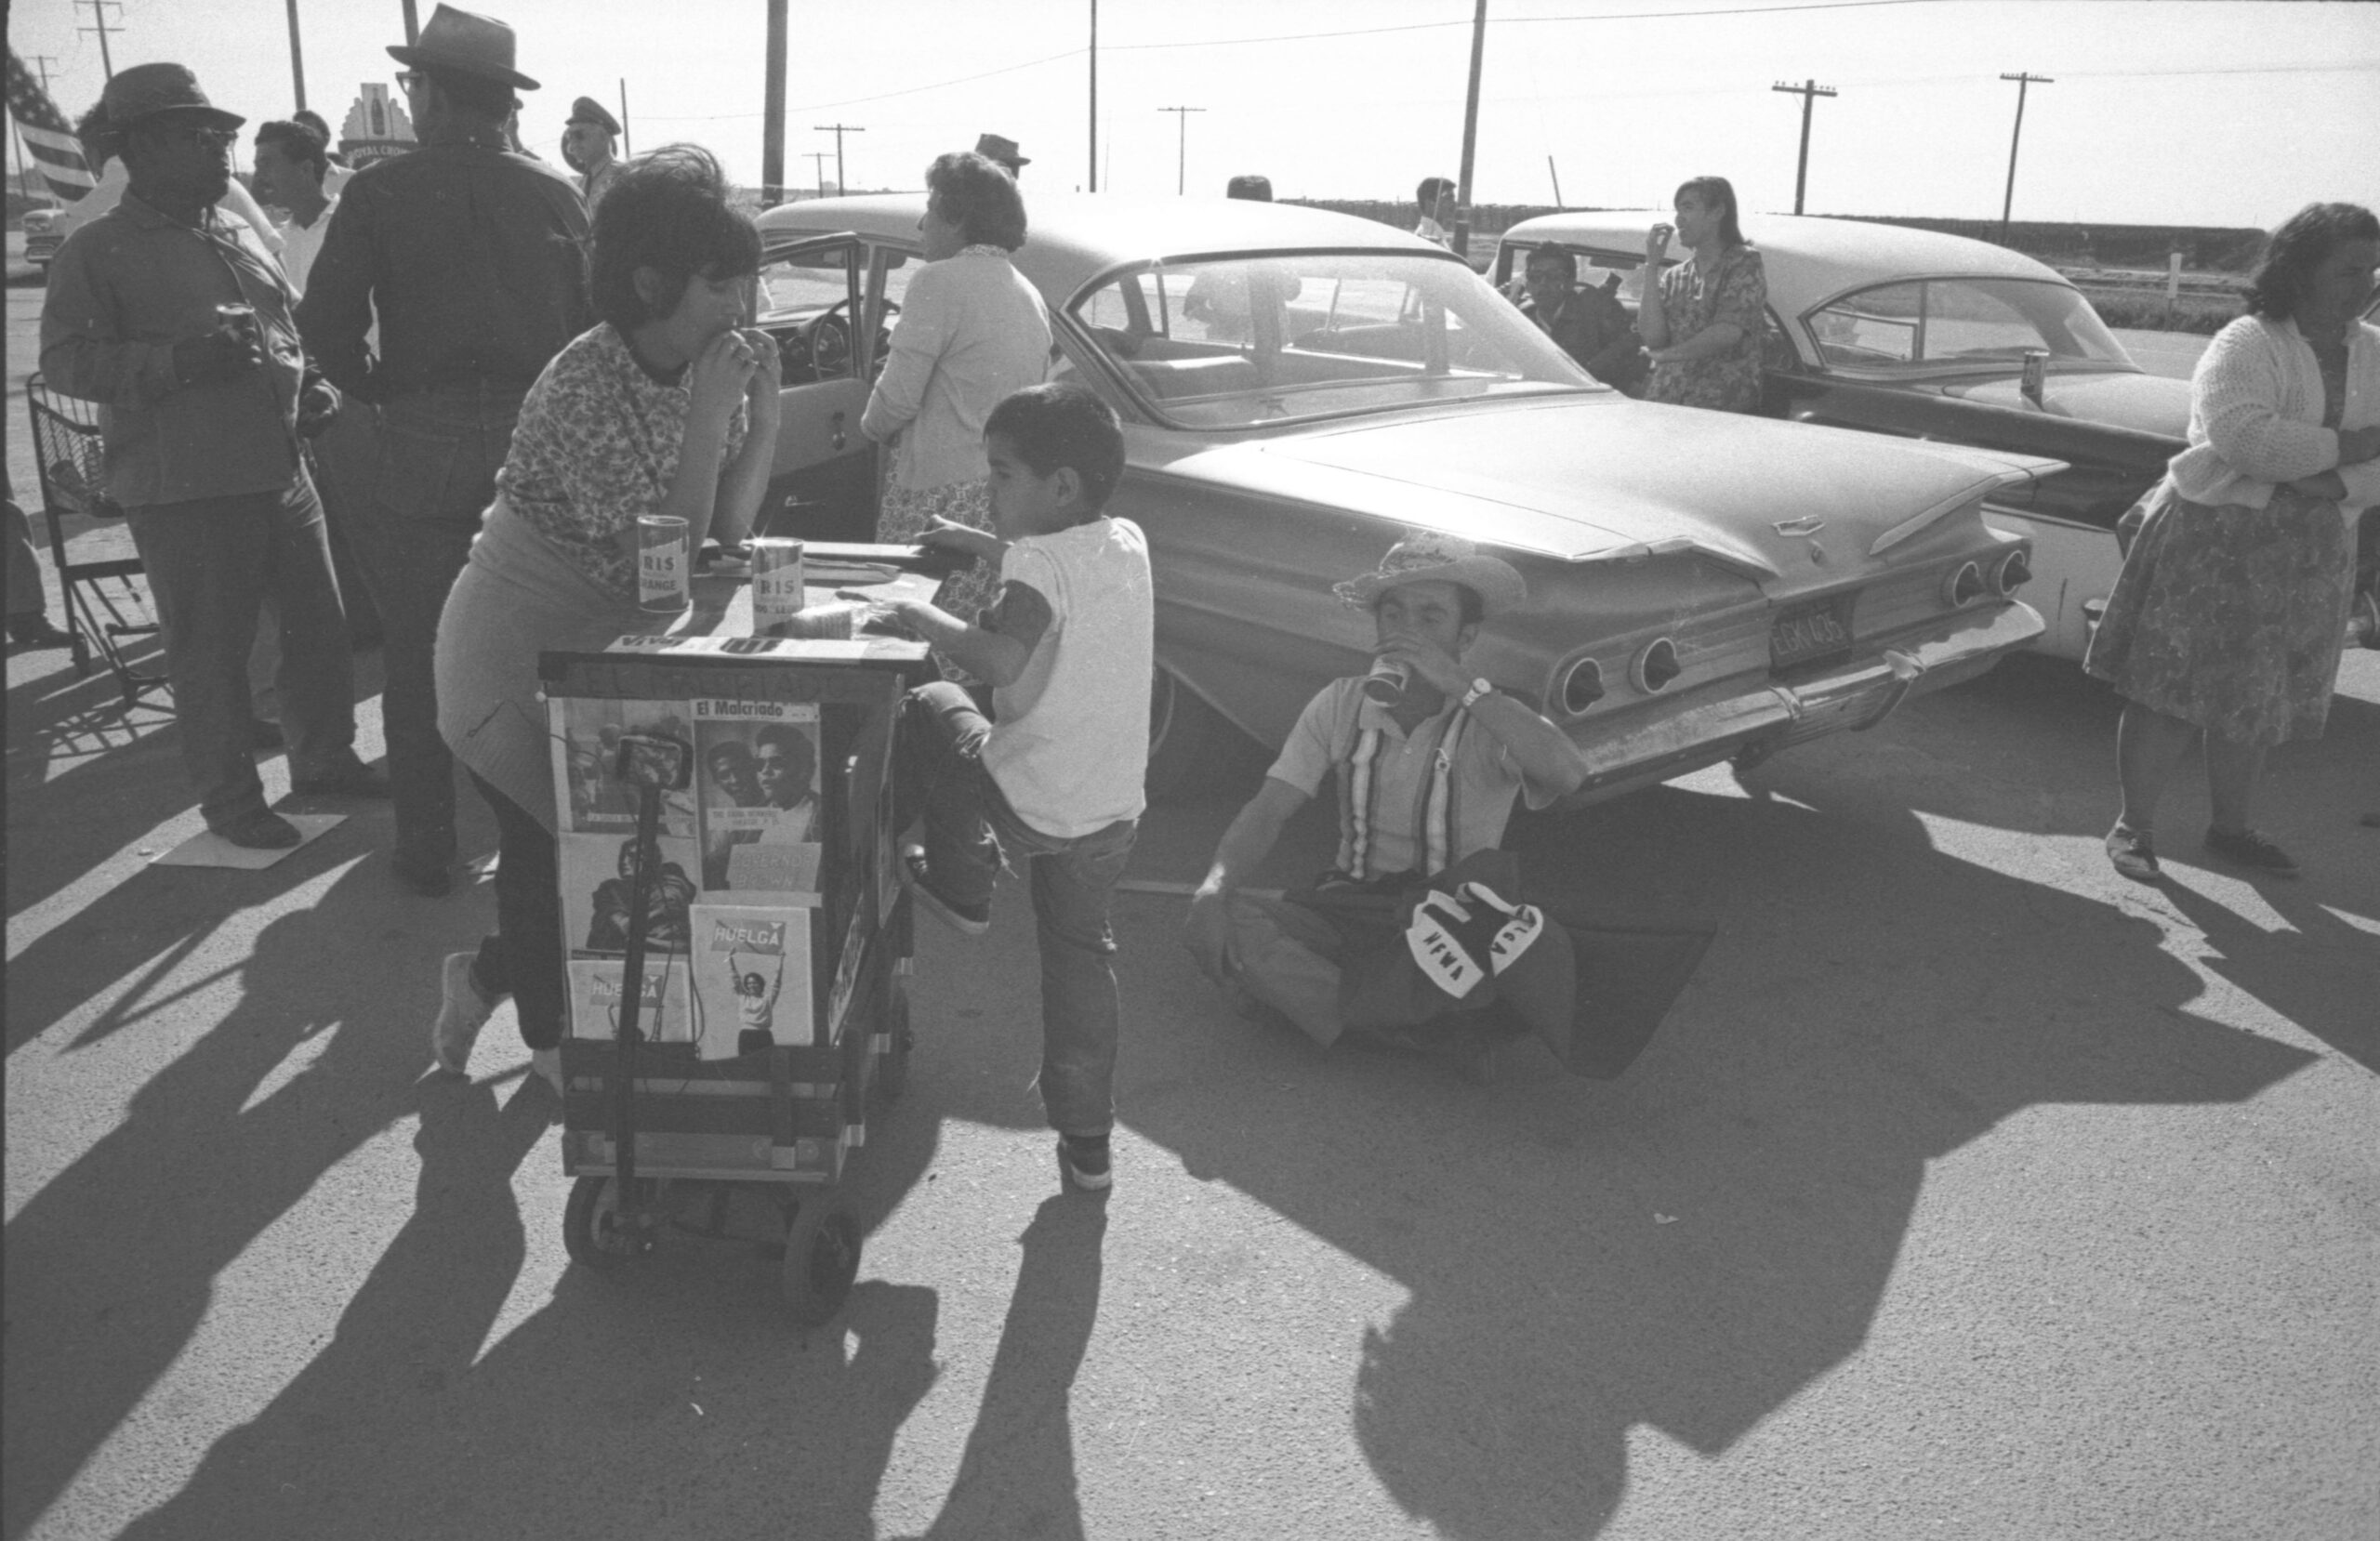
{"x": 1808, "y": 260}
{"x": 1073, "y": 237}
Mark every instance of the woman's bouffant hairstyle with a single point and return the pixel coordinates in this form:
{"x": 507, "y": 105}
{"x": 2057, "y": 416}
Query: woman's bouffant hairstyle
{"x": 667, "y": 211}
{"x": 1720, "y": 191}
{"x": 2300, "y": 246}
{"x": 978, "y": 196}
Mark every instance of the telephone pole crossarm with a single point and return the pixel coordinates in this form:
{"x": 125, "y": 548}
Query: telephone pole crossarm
{"x": 1809, "y": 91}
{"x": 838, "y": 130}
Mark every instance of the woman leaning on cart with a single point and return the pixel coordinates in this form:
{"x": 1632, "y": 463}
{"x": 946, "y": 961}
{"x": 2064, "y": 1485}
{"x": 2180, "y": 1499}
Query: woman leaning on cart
{"x": 2228, "y": 615}
{"x": 665, "y": 408}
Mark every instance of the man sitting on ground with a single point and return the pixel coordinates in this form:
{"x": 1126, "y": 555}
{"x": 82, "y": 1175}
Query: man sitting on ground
{"x": 1422, "y": 782}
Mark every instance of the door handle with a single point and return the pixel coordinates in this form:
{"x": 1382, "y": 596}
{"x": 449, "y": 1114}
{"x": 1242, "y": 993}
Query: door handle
{"x": 839, "y": 438}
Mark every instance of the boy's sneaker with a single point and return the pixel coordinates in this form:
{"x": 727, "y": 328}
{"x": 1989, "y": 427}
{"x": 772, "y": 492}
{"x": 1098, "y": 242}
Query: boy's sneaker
{"x": 460, "y": 1015}
{"x": 966, "y": 919}
{"x": 1082, "y": 1162}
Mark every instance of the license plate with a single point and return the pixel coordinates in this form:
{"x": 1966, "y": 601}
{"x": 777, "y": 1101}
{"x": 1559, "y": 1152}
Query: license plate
{"x": 1812, "y": 630}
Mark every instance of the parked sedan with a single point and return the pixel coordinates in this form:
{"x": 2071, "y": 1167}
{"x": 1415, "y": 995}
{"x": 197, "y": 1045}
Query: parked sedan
{"x": 1298, "y": 388}
{"x": 1914, "y": 332}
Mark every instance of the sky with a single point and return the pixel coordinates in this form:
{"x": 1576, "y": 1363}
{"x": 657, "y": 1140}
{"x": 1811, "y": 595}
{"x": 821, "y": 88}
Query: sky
{"x": 2163, "y": 112}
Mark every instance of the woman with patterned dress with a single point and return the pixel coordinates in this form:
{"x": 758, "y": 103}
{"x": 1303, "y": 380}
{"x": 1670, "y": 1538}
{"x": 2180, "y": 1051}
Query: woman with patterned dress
{"x": 668, "y": 408}
{"x": 2229, "y": 613}
{"x": 971, "y": 331}
{"x": 1702, "y": 322}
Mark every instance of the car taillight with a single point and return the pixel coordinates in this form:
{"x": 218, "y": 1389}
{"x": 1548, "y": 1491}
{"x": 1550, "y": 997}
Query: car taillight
{"x": 1655, "y": 666}
{"x": 1583, "y": 686}
{"x": 1964, "y": 587}
{"x": 2013, "y": 573}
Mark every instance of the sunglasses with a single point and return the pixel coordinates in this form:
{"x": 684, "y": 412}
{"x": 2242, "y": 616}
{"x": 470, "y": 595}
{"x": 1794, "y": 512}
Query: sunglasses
{"x": 211, "y": 138}
{"x": 410, "y": 80}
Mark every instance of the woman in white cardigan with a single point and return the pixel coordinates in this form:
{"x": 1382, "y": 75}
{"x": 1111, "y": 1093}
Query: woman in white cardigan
{"x": 2231, "y": 612}
{"x": 972, "y": 332}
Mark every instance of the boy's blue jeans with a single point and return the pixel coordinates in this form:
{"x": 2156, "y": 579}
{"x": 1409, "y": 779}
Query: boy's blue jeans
{"x": 938, "y": 775}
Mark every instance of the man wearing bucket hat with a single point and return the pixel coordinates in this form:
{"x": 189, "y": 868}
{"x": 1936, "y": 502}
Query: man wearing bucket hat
{"x": 176, "y": 319}
{"x": 1427, "y": 756}
{"x": 471, "y": 259}
{"x": 589, "y": 143}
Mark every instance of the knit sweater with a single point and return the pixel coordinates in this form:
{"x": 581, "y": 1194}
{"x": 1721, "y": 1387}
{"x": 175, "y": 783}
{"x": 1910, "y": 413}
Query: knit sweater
{"x": 2257, "y": 416}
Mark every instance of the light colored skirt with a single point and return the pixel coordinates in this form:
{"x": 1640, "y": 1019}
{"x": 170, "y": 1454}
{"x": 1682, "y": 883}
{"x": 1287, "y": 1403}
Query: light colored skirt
{"x": 518, "y": 595}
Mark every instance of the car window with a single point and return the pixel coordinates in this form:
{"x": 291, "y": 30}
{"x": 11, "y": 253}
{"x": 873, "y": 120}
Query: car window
{"x": 790, "y": 288}
{"x": 1248, "y": 341}
{"x": 1955, "y": 321}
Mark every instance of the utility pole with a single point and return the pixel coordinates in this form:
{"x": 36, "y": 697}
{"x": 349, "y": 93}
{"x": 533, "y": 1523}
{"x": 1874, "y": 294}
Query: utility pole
{"x": 1094, "y": 96}
{"x": 1470, "y": 134}
{"x": 2022, "y": 80}
{"x": 1181, "y": 150}
{"x": 1809, "y": 91}
{"x": 99, "y": 25}
{"x": 838, "y": 130}
{"x": 773, "y": 110}
{"x": 818, "y": 164}
{"x": 297, "y": 57}
{"x": 412, "y": 25}
{"x": 627, "y": 146}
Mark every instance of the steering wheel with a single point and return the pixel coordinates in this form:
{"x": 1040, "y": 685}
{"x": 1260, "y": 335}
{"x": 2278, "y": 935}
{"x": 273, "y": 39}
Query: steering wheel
{"x": 830, "y": 344}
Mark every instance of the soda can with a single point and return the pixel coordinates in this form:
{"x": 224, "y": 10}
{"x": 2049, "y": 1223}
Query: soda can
{"x": 1386, "y": 682}
{"x": 662, "y": 563}
{"x": 2036, "y": 375}
{"x": 778, "y": 583}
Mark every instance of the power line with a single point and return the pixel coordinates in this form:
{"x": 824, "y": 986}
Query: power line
{"x": 1529, "y": 20}
{"x": 1182, "y": 154}
{"x": 99, "y": 25}
{"x": 1809, "y": 91}
{"x": 838, "y": 130}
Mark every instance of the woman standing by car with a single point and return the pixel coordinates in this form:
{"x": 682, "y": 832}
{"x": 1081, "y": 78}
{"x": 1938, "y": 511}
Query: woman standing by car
{"x": 666, "y": 408}
{"x": 1702, "y": 320}
{"x": 2228, "y": 615}
{"x": 971, "y": 331}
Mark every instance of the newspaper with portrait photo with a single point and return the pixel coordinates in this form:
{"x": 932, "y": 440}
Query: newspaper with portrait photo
{"x": 751, "y": 978}
{"x": 757, "y": 779}
{"x": 586, "y": 733}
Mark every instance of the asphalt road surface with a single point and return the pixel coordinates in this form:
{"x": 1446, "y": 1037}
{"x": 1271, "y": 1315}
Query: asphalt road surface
{"x": 1969, "y": 1190}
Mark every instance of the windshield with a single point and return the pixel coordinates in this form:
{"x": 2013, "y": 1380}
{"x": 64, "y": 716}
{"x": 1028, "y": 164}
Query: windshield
{"x": 1960, "y": 320}
{"x": 1240, "y": 342}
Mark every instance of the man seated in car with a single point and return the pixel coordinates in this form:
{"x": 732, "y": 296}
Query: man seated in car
{"x": 1423, "y": 780}
{"x": 1589, "y": 325}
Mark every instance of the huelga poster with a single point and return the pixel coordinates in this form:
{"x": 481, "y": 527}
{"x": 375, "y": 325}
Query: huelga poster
{"x": 751, "y": 967}
{"x": 598, "y": 989}
{"x": 586, "y": 750}
{"x": 758, "y": 776}
{"x": 596, "y": 874}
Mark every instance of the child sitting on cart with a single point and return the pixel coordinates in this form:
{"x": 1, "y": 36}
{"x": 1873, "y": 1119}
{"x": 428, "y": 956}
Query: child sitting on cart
{"x": 1055, "y": 775}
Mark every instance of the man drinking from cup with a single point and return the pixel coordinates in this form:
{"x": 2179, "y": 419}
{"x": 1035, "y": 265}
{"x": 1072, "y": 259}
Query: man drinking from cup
{"x": 1426, "y": 755}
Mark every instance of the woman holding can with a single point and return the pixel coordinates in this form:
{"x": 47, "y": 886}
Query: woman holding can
{"x": 1702, "y": 321}
{"x": 971, "y": 331}
{"x": 2229, "y": 614}
{"x": 664, "y": 411}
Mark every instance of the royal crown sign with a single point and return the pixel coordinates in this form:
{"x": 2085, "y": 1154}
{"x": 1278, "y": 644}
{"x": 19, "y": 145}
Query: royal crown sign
{"x": 375, "y": 128}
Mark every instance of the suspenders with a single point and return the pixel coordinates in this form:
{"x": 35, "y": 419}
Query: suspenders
{"x": 1359, "y": 814}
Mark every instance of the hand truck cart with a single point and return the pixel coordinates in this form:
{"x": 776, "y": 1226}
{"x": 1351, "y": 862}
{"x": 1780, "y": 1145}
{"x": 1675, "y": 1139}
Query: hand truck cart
{"x": 738, "y": 938}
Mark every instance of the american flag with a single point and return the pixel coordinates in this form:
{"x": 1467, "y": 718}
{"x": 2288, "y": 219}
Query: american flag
{"x": 49, "y": 139}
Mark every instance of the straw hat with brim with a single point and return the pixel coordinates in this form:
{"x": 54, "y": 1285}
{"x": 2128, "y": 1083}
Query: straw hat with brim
{"x": 148, "y": 91}
{"x": 466, "y": 44}
{"x": 1429, "y": 557}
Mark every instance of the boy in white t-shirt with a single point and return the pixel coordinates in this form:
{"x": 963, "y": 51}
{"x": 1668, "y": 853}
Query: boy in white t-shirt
{"x": 1056, "y": 776}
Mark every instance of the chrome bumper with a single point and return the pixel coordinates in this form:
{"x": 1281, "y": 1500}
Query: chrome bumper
{"x": 1752, "y": 723}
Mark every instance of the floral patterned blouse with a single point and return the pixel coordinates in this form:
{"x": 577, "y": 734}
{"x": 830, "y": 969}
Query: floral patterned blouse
{"x": 597, "y": 445}
{"x": 1736, "y": 292}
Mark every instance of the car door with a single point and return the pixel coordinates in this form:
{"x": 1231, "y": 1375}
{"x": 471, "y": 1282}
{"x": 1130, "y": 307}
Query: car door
{"x": 822, "y": 483}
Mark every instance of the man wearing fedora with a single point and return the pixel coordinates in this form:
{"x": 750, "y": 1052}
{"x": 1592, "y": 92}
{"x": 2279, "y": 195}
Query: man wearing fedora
{"x": 204, "y": 413}
{"x": 472, "y": 260}
{"x": 1427, "y": 756}
{"x": 1001, "y": 151}
{"x": 590, "y": 144}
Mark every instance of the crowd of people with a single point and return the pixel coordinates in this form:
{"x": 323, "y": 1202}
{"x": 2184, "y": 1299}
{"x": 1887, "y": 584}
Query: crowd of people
{"x": 478, "y": 373}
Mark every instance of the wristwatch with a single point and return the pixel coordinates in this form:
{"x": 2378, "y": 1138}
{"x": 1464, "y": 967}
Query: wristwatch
{"x": 1478, "y": 688}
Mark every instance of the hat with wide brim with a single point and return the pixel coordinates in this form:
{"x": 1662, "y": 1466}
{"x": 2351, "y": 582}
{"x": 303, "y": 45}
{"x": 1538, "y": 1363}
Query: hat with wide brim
{"x": 147, "y": 91}
{"x": 1430, "y": 555}
{"x": 466, "y": 44}
{"x": 994, "y": 147}
{"x": 587, "y": 109}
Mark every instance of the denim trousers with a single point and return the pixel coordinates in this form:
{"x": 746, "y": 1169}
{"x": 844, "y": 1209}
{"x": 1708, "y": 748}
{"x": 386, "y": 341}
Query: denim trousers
{"x": 938, "y": 776}
{"x": 434, "y": 475}
{"x": 211, "y": 564}
{"x": 522, "y": 957}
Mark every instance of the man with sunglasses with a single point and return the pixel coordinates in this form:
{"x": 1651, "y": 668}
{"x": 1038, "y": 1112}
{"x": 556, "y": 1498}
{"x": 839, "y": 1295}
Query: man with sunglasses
{"x": 471, "y": 259}
{"x": 179, "y": 322}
